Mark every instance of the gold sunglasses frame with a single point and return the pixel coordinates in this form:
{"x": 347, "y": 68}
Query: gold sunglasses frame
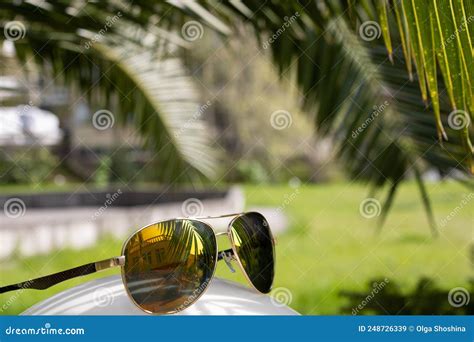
{"x": 120, "y": 261}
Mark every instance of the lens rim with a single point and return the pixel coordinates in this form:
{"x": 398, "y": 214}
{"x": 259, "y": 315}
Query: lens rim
{"x": 234, "y": 249}
{"x": 122, "y": 268}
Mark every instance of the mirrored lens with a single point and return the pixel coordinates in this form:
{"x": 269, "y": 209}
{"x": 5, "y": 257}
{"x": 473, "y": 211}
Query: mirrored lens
{"x": 168, "y": 265}
{"x": 253, "y": 242}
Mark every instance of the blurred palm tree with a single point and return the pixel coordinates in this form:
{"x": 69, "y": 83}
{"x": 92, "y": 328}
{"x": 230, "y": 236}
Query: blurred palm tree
{"x": 362, "y": 90}
{"x": 121, "y": 57}
{"x": 388, "y": 105}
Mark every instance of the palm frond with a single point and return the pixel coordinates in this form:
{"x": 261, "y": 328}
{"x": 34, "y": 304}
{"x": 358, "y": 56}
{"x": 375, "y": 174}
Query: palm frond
{"x": 163, "y": 104}
{"x": 134, "y": 73}
{"x": 436, "y": 36}
{"x": 381, "y": 119}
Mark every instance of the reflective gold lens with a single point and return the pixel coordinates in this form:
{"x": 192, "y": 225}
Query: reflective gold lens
{"x": 253, "y": 242}
{"x": 168, "y": 265}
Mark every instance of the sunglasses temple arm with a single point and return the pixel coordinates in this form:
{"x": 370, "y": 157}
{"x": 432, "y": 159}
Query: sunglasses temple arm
{"x": 227, "y": 255}
{"x": 45, "y": 282}
{"x": 222, "y": 255}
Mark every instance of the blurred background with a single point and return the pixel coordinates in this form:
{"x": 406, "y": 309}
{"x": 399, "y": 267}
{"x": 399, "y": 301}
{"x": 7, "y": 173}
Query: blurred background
{"x": 116, "y": 114}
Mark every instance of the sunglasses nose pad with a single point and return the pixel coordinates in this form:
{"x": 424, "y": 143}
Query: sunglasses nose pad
{"x": 227, "y": 259}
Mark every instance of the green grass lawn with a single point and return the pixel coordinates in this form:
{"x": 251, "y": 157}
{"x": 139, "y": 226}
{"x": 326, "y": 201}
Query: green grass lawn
{"x": 328, "y": 248}
{"x": 331, "y": 247}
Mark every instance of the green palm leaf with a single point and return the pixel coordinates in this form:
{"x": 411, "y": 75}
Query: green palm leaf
{"x": 346, "y": 80}
{"x": 134, "y": 73}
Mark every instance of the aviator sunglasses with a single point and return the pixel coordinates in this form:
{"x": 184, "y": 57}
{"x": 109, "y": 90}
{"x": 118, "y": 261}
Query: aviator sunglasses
{"x": 168, "y": 265}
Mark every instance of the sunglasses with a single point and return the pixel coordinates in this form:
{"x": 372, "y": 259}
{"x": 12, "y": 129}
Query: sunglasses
{"x": 168, "y": 265}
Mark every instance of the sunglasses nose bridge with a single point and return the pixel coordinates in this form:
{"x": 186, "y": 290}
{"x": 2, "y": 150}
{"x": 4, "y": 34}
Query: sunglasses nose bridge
{"x": 227, "y": 256}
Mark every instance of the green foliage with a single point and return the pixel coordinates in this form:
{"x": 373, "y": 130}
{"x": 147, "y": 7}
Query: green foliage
{"x": 345, "y": 79}
{"x": 252, "y": 171}
{"x": 115, "y": 59}
{"x": 32, "y": 166}
{"x": 103, "y": 172}
{"x": 430, "y": 33}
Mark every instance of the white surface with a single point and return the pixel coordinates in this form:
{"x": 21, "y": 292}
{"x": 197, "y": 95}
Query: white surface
{"x": 107, "y": 296}
{"x": 25, "y": 125}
